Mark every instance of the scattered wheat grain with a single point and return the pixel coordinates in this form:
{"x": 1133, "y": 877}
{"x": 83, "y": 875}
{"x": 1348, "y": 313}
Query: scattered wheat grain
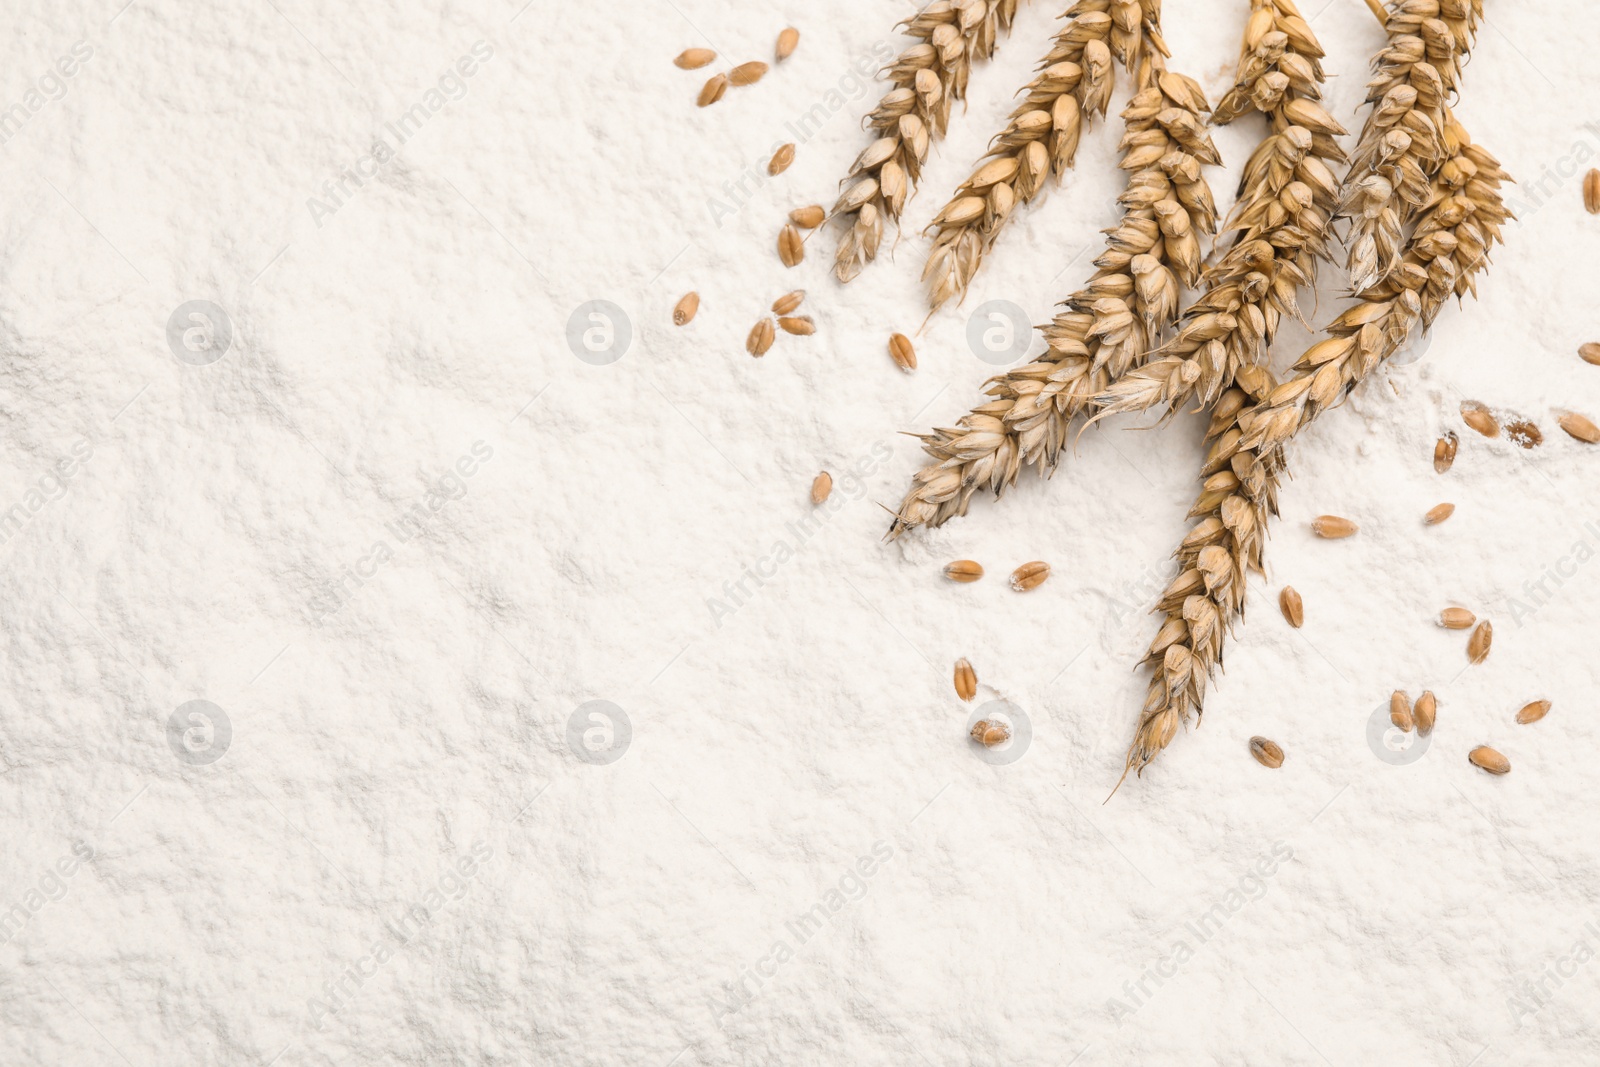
{"x": 683, "y": 311}
{"x": 781, "y": 159}
{"x": 747, "y": 73}
{"x": 966, "y": 680}
{"x": 1293, "y": 608}
{"x": 1524, "y": 433}
{"x": 900, "y": 350}
{"x": 694, "y": 58}
{"x": 1580, "y": 427}
{"x": 1591, "y": 192}
{"x": 1477, "y": 416}
{"x": 1333, "y": 527}
{"x": 821, "y": 486}
{"x": 791, "y": 249}
{"x": 1400, "y": 711}
{"x": 1488, "y": 759}
{"x": 787, "y": 40}
{"x": 1590, "y": 353}
{"x": 712, "y": 90}
{"x": 799, "y": 325}
{"x": 1030, "y": 576}
{"x": 1426, "y": 712}
{"x": 1533, "y": 712}
{"x": 1267, "y": 753}
{"x": 963, "y": 570}
{"x": 1478, "y": 644}
{"x": 786, "y": 303}
{"x": 760, "y": 339}
{"x": 990, "y": 732}
{"x": 1457, "y": 619}
{"x": 1438, "y": 513}
{"x": 809, "y": 217}
{"x": 1444, "y": 452}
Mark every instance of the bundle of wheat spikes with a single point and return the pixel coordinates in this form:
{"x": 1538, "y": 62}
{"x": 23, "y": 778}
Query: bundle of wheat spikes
{"x": 1423, "y": 209}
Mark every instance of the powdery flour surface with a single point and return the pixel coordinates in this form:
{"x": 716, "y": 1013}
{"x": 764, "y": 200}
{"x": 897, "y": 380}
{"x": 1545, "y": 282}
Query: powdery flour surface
{"x": 399, "y": 533}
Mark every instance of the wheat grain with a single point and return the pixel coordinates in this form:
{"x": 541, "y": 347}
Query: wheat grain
{"x": 791, "y": 247}
{"x": 966, "y": 680}
{"x": 990, "y": 732}
{"x": 713, "y": 90}
{"x": 1108, "y": 326}
{"x": 1333, "y": 527}
{"x": 788, "y": 40}
{"x": 902, "y": 352}
{"x": 1524, "y": 433}
{"x": 963, "y": 570}
{"x": 781, "y": 160}
{"x": 1426, "y": 712}
{"x": 821, "y": 487}
{"x": 788, "y": 302}
{"x": 1457, "y": 619}
{"x": 809, "y": 217}
{"x": 1292, "y": 606}
{"x": 1589, "y": 352}
{"x": 1250, "y": 429}
{"x": 1402, "y": 142}
{"x": 683, "y": 311}
{"x": 760, "y": 338}
{"x": 1533, "y": 712}
{"x": 1591, "y": 191}
{"x": 1400, "y": 711}
{"x": 1267, "y": 753}
{"x": 1478, "y": 417}
{"x": 1438, "y": 513}
{"x": 747, "y": 73}
{"x": 799, "y": 325}
{"x": 1040, "y": 138}
{"x": 1030, "y": 576}
{"x": 1478, "y": 644}
{"x": 1444, "y": 452}
{"x": 694, "y": 58}
{"x": 1488, "y": 759}
{"x": 951, "y": 36}
{"x": 1579, "y": 427}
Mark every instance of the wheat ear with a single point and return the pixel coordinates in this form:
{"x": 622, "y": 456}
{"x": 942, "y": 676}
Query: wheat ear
{"x": 1283, "y": 222}
{"x": 1040, "y": 139}
{"x": 1461, "y": 220}
{"x": 1400, "y": 146}
{"x": 927, "y": 77}
{"x": 1108, "y": 326}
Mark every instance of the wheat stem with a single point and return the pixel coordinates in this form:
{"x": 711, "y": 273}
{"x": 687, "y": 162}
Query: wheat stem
{"x": 1461, "y": 219}
{"x": 927, "y": 77}
{"x": 1376, "y": 7}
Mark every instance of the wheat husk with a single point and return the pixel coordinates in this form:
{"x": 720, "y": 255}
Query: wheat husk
{"x": 951, "y": 35}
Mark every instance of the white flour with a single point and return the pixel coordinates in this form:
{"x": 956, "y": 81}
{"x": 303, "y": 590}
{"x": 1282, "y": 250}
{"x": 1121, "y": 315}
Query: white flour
{"x": 541, "y": 719}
